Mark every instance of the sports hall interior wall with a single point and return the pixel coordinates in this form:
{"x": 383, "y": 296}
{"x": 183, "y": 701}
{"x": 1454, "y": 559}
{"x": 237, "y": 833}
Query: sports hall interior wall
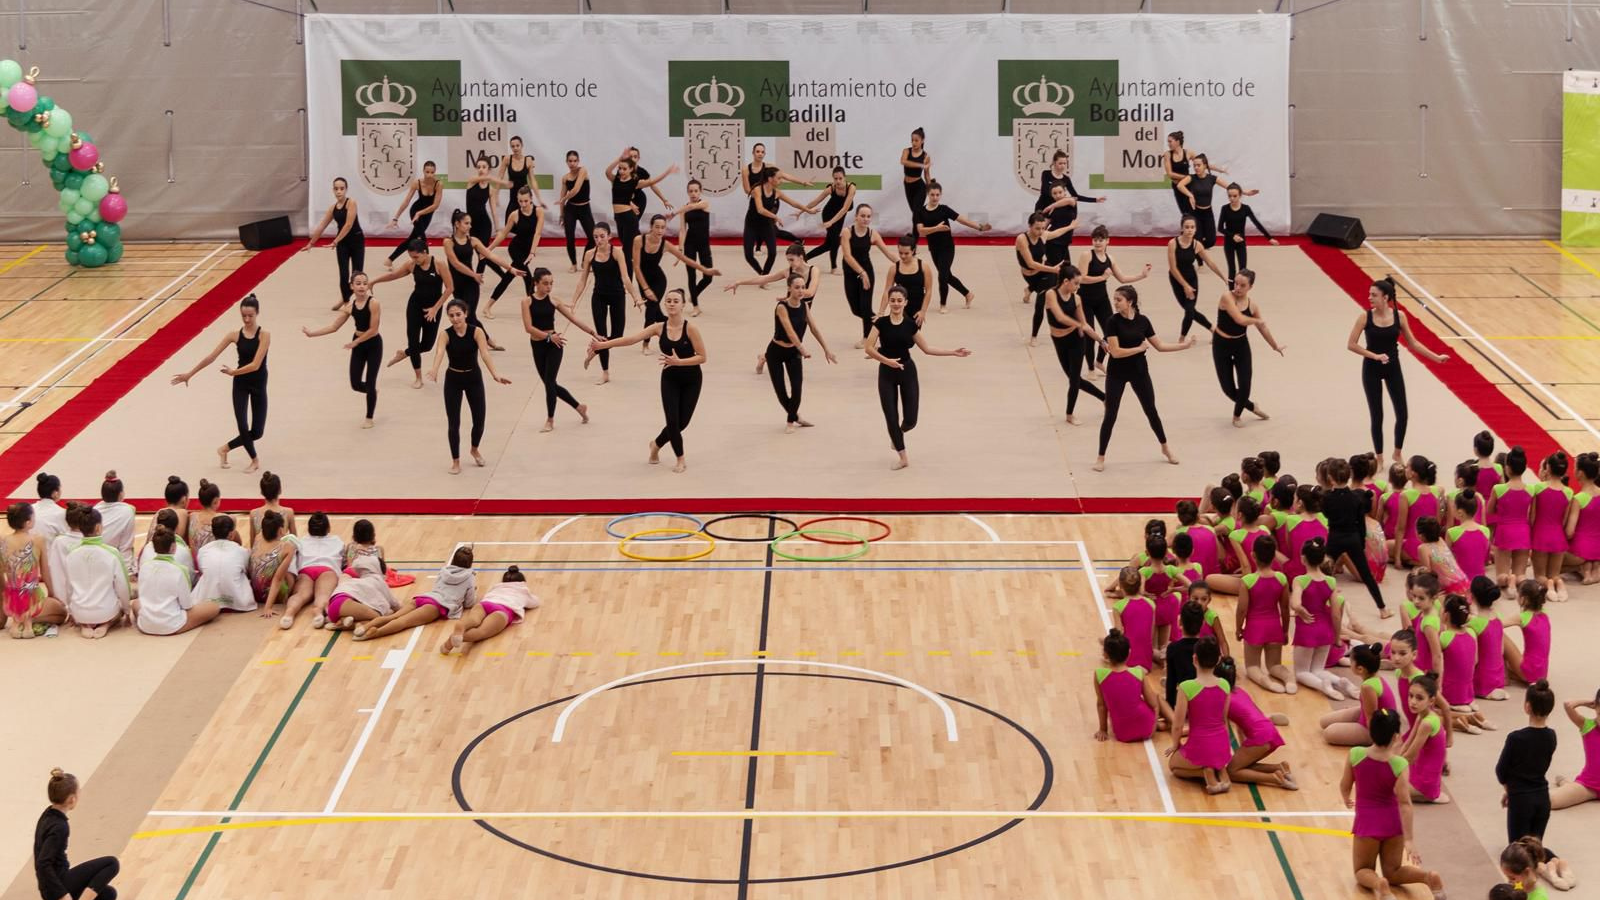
{"x": 1434, "y": 117}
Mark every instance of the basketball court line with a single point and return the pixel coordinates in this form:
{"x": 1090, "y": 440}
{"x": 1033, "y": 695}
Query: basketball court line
{"x": 23, "y": 258}
{"x": 994, "y": 537}
{"x": 396, "y": 663}
{"x": 1156, "y": 769}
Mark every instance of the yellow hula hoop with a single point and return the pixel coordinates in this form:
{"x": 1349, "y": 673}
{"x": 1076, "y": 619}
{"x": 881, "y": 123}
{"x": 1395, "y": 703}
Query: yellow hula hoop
{"x": 711, "y": 544}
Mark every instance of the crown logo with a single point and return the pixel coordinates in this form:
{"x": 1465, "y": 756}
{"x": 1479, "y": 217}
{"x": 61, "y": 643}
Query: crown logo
{"x": 1042, "y": 96}
{"x": 713, "y": 97}
{"x": 385, "y": 97}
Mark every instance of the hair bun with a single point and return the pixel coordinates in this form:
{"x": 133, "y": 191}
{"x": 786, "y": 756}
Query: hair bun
{"x": 41, "y": 478}
{"x": 57, "y": 773}
{"x": 173, "y": 479}
{"x": 204, "y": 484}
{"x": 111, "y": 475}
{"x": 512, "y": 568}
{"x": 1540, "y": 685}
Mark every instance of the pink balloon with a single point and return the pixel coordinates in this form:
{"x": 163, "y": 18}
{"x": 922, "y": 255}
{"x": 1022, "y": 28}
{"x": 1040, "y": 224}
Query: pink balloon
{"x": 84, "y": 158}
{"x": 22, "y": 97}
{"x": 113, "y": 207}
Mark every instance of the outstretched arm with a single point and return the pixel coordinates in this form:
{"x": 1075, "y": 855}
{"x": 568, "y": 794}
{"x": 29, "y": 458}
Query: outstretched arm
{"x": 210, "y": 358}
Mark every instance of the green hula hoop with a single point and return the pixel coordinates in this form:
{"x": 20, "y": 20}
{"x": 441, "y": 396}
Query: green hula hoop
{"x": 860, "y": 550}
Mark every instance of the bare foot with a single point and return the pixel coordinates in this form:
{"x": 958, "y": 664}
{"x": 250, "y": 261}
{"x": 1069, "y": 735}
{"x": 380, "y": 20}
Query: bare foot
{"x": 477, "y": 457}
{"x": 1220, "y": 787}
{"x": 572, "y": 268}
{"x": 1099, "y": 464}
{"x": 1071, "y": 419}
{"x": 416, "y": 383}
{"x": 366, "y": 423}
{"x": 900, "y": 462}
{"x": 222, "y": 455}
{"x": 605, "y": 377}
{"x": 681, "y": 467}
{"x": 645, "y": 348}
{"x": 790, "y": 428}
{"x": 255, "y": 465}
{"x": 761, "y": 364}
{"x": 1033, "y": 342}
{"x": 655, "y": 453}
{"x": 803, "y": 423}
{"x": 1237, "y": 423}
{"x": 451, "y": 644}
{"x": 494, "y": 346}
{"x": 549, "y": 425}
{"x": 695, "y": 313}
{"x": 970, "y": 298}
{"x": 87, "y": 631}
{"x": 455, "y": 467}
{"x": 862, "y": 344}
{"x": 1171, "y": 459}
{"x": 583, "y": 412}
{"x": 486, "y": 313}
{"x": 398, "y": 355}
{"x": 945, "y": 310}
{"x": 1260, "y": 413}
{"x": 1386, "y": 613}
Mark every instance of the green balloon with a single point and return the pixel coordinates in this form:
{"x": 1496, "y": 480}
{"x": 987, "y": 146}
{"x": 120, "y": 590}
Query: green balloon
{"x": 72, "y": 257}
{"x": 74, "y": 241}
{"x": 95, "y": 216}
{"x": 62, "y": 163}
{"x": 66, "y": 205}
{"x": 113, "y": 254}
{"x": 49, "y": 158}
{"x": 94, "y": 187}
{"x": 74, "y": 180}
{"x": 69, "y": 196}
{"x": 108, "y": 233}
{"x": 37, "y": 138}
{"x": 60, "y": 124}
{"x": 93, "y": 256}
{"x": 45, "y": 104}
{"x": 10, "y": 73}
{"x": 73, "y": 217}
{"x": 83, "y": 207}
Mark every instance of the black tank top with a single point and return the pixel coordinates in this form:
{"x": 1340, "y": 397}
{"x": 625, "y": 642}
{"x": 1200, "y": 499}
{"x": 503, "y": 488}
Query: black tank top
{"x": 542, "y": 313}
{"x": 861, "y": 249}
{"x": 1069, "y": 308}
{"x": 464, "y": 287}
{"x": 361, "y": 316}
{"x": 478, "y": 204}
{"x": 1202, "y": 187}
{"x": 607, "y": 275}
{"x": 896, "y": 341}
{"x": 771, "y": 201}
{"x": 835, "y": 202}
{"x": 915, "y": 287}
{"x": 1095, "y": 292}
{"x": 914, "y": 172}
{"x": 247, "y": 353}
{"x": 340, "y": 211}
{"x": 1383, "y": 338}
{"x": 697, "y": 228}
{"x": 681, "y": 347}
{"x": 426, "y": 284}
{"x": 522, "y": 235}
{"x": 581, "y": 198}
{"x": 797, "y": 318}
{"x": 757, "y": 179}
{"x": 1186, "y": 259}
{"x": 1180, "y": 167}
{"x": 461, "y": 349}
{"x": 649, "y": 265}
{"x": 622, "y": 191}
{"x": 424, "y": 200}
{"x": 517, "y": 177}
{"x": 1225, "y": 321}
{"x": 1037, "y": 281}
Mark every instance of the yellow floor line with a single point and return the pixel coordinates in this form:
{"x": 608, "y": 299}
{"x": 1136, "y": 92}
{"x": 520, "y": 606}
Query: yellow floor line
{"x": 22, "y": 259}
{"x": 1573, "y": 256}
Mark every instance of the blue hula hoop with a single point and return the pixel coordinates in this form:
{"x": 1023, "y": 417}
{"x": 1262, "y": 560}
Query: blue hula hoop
{"x": 698, "y": 525}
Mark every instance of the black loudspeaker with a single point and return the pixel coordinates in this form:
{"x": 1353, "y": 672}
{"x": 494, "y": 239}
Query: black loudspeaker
{"x": 1344, "y": 232}
{"x": 266, "y": 233}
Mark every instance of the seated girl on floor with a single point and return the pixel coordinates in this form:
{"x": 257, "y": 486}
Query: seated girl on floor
{"x": 166, "y": 603}
{"x": 116, "y": 517}
{"x": 98, "y": 576}
{"x": 500, "y": 608}
{"x": 168, "y": 519}
{"x": 224, "y": 569}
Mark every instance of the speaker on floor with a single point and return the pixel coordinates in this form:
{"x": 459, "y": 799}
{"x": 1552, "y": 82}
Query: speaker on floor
{"x": 1344, "y": 232}
{"x": 266, "y": 233}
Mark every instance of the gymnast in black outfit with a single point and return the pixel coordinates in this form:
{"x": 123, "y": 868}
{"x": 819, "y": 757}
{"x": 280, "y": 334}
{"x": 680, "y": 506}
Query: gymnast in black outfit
{"x": 366, "y": 347}
{"x": 1127, "y": 340}
{"x": 460, "y": 248}
{"x": 1230, "y": 224}
{"x": 573, "y": 208}
{"x": 1230, "y": 349}
{"x": 762, "y": 225}
{"x": 933, "y": 223}
{"x": 1097, "y": 268}
{"x": 612, "y": 287}
{"x": 518, "y": 170}
{"x": 859, "y": 274}
{"x": 549, "y": 345}
{"x": 1068, "y": 331}
{"x": 525, "y": 225}
{"x": 481, "y": 190}
{"x": 349, "y": 242}
{"x": 787, "y": 348}
{"x": 914, "y": 280}
{"x": 841, "y": 198}
{"x": 249, "y": 376}
{"x": 1176, "y": 160}
{"x": 427, "y": 191}
{"x": 890, "y": 342}
{"x": 1063, "y": 207}
{"x": 463, "y": 345}
{"x": 1384, "y": 325}
{"x": 648, "y": 249}
{"x": 694, "y": 236}
{"x": 917, "y": 164}
{"x": 627, "y": 200}
{"x": 1039, "y": 274}
{"x": 1183, "y": 252}
{"x": 681, "y": 379}
{"x": 431, "y": 284}
{"x": 1199, "y": 188}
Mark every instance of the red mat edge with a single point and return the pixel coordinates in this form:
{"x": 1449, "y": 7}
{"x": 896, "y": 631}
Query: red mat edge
{"x": 22, "y": 460}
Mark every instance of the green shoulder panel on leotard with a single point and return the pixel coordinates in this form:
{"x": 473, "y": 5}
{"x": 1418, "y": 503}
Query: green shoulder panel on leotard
{"x": 1446, "y": 638}
{"x": 1140, "y": 671}
{"x": 1431, "y": 620}
{"x": 1411, "y": 495}
{"x": 1583, "y": 498}
{"x": 1211, "y": 616}
{"x": 1432, "y": 723}
{"x": 1357, "y": 754}
{"x": 1587, "y": 726}
{"x": 1100, "y": 674}
{"x": 1477, "y": 625}
{"x": 1375, "y": 683}
{"x": 1527, "y": 616}
{"x": 1120, "y": 605}
{"x": 1411, "y": 609}
{"x": 1249, "y": 581}
{"x": 1190, "y": 688}
{"x": 1283, "y": 580}
{"x": 1226, "y": 687}
{"x": 1398, "y": 764}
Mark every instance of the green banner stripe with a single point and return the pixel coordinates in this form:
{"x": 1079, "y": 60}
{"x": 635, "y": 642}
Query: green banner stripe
{"x": 545, "y": 183}
{"x": 1098, "y": 182}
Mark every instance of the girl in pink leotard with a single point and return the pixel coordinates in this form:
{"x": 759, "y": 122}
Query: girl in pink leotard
{"x": 1241, "y": 541}
{"x": 1511, "y": 509}
{"x": 1468, "y": 539}
{"x": 1403, "y": 653}
{"x": 1436, "y": 556}
{"x": 1551, "y": 497}
{"x": 1459, "y": 649}
{"x": 1317, "y": 609}
{"x": 1489, "y": 678}
{"x": 1206, "y": 549}
{"x": 1389, "y": 500}
{"x": 1376, "y": 785}
{"x": 1418, "y": 500}
{"x": 1202, "y": 752}
{"x": 1125, "y": 697}
{"x": 1348, "y": 727}
{"x": 1449, "y": 514}
{"x": 1426, "y": 742}
{"x": 1258, "y": 737}
{"x": 1261, "y": 620}
{"x": 1135, "y": 616}
{"x": 1489, "y": 473}
{"x": 1583, "y": 518}
{"x": 1162, "y": 584}
{"x": 1531, "y": 661}
{"x": 1586, "y": 786}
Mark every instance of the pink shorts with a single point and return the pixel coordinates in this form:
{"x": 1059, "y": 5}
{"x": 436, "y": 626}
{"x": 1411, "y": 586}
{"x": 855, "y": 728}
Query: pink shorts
{"x": 422, "y": 600}
{"x": 315, "y": 572}
{"x": 512, "y": 616}
{"x": 335, "y": 604}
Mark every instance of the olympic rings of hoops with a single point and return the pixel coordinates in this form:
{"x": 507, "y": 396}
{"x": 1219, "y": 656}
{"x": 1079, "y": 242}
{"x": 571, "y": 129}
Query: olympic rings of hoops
{"x": 853, "y": 537}
{"x": 699, "y": 526}
{"x": 780, "y": 520}
{"x": 861, "y": 550}
{"x": 711, "y": 544}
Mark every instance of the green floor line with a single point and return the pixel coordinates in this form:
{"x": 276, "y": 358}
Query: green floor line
{"x": 1277, "y": 845}
{"x": 249, "y": 778}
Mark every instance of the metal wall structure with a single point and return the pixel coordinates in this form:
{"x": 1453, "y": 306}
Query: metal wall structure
{"x": 1424, "y": 117}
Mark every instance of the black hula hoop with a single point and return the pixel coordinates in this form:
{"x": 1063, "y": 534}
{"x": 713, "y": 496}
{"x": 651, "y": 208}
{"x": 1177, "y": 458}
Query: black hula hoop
{"x": 706, "y": 529}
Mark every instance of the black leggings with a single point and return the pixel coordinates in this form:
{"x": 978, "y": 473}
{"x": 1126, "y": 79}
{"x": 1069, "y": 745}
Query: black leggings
{"x": 1205, "y": 227}
{"x": 352, "y": 256}
{"x": 419, "y": 229}
{"x": 1097, "y": 310}
{"x": 1527, "y": 814}
{"x": 94, "y": 875}
{"x": 1237, "y": 254}
{"x": 456, "y": 385}
{"x": 519, "y": 261}
{"x": 1375, "y": 376}
{"x": 760, "y": 231}
{"x": 859, "y": 296}
{"x": 420, "y": 333}
{"x": 900, "y": 396}
{"x": 1184, "y": 206}
{"x": 627, "y": 230}
{"x": 1233, "y": 358}
{"x": 680, "y": 392}
{"x": 782, "y": 361}
{"x": 1354, "y": 546}
{"x": 571, "y": 217}
{"x": 547, "y": 362}
{"x": 943, "y": 258}
{"x": 1070, "y": 352}
{"x": 829, "y": 245}
{"x": 249, "y": 393}
{"x": 1038, "y": 312}
{"x": 608, "y": 313}
{"x": 1190, "y": 314}
{"x": 366, "y": 358}
{"x": 916, "y": 195}
{"x": 1139, "y": 380}
{"x": 698, "y": 282}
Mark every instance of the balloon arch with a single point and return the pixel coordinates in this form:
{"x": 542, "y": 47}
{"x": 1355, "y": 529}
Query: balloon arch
{"x": 91, "y": 201}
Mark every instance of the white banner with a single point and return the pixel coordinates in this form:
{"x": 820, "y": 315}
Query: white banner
{"x": 996, "y": 95}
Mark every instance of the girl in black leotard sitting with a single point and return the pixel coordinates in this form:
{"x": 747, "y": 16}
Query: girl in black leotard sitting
{"x": 1384, "y": 325}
